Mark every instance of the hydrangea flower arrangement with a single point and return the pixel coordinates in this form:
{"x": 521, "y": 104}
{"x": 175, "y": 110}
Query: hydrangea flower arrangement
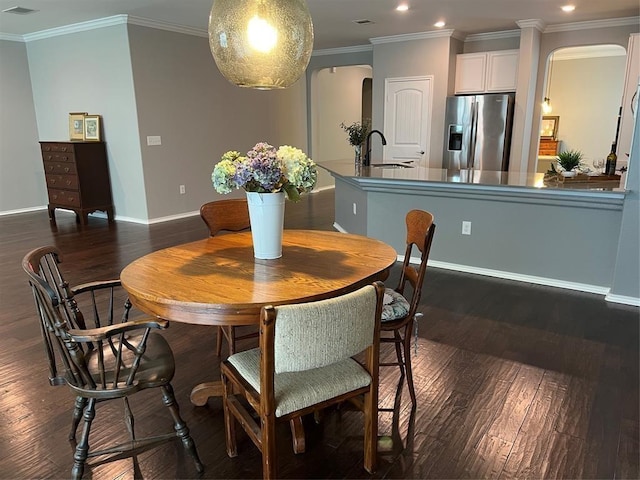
{"x": 266, "y": 170}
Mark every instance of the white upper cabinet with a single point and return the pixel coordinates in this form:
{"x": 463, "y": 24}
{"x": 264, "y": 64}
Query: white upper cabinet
{"x": 487, "y": 72}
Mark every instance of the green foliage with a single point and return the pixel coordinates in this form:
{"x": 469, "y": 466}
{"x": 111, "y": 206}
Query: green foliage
{"x": 357, "y": 131}
{"x": 570, "y": 159}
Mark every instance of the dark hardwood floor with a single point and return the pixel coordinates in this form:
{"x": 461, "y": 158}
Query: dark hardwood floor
{"x": 513, "y": 380}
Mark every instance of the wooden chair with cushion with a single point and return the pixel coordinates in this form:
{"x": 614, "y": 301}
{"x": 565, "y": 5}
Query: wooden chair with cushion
{"x": 401, "y": 304}
{"x": 304, "y": 363}
{"x": 232, "y": 216}
{"x": 99, "y": 357}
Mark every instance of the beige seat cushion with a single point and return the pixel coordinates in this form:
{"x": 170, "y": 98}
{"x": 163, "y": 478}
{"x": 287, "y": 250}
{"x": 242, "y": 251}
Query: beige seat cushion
{"x": 297, "y": 390}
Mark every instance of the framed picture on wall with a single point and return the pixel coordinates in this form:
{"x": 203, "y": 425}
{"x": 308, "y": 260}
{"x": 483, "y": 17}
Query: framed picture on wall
{"x": 76, "y": 125}
{"x": 549, "y": 127}
{"x": 92, "y": 128}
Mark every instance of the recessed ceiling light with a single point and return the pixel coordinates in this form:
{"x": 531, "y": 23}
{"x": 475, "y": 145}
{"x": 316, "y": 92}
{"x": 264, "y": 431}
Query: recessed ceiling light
{"x": 403, "y": 7}
{"x": 439, "y": 24}
{"x": 568, "y": 8}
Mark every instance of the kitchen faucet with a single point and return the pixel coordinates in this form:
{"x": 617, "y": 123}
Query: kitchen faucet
{"x": 367, "y": 154}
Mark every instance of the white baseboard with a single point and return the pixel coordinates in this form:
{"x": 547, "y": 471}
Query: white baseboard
{"x": 633, "y": 301}
{"x": 173, "y": 217}
{"x": 322, "y": 189}
{"x": 337, "y": 226}
{"x": 23, "y": 210}
{"x": 518, "y": 277}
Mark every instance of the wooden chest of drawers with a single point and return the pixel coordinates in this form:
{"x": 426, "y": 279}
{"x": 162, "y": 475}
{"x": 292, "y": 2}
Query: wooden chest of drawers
{"x": 77, "y": 175}
{"x": 548, "y": 147}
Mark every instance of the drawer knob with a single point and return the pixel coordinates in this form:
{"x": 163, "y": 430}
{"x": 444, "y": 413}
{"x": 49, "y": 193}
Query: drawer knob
{"x": 52, "y": 181}
{"x": 68, "y": 182}
{"x": 66, "y": 169}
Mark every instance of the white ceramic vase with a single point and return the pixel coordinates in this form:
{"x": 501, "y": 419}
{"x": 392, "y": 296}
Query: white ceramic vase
{"x": 266, "y": 212}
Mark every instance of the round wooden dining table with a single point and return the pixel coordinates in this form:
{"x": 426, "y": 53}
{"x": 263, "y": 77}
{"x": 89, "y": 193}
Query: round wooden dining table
{"x": 217, "y": 280}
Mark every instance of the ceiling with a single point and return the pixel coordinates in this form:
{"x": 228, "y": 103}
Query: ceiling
{"x": 333, "y": 19}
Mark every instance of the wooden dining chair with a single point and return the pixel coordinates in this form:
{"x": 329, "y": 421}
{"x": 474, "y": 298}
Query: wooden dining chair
{"x": 401, "y": 303}
{"x": 304, "y": 363}
{"x": 101, "y": 357}
{"x": 231, "y": 216}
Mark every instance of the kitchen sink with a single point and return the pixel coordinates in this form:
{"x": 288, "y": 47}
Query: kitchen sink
{"x": 391, "y": 165}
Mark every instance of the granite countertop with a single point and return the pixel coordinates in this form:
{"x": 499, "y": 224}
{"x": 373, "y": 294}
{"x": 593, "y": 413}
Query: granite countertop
{"x": 347, "y": 169}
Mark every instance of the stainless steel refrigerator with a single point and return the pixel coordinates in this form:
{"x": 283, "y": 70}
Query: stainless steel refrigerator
{"x": 478, "y": 132}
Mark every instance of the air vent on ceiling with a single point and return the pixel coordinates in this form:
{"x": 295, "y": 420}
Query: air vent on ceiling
{"x": 364, "y": 21}
{"x": 19, "y": 10}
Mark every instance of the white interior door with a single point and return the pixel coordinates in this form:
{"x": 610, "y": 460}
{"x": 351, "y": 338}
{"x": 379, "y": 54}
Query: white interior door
{"x": 407, "y": 119}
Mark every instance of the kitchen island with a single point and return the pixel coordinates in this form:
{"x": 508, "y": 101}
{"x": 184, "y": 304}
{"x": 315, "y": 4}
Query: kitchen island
{"x": 522, "y": 228}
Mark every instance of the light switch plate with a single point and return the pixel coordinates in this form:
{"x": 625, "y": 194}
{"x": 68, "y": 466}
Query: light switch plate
{"x": 154, "y": 140}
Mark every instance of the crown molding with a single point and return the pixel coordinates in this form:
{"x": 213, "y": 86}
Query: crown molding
{"x": 412, "y": 36}
{"x": 139, "y": 21}
{"x": 478, "y": 37}
{"x": 76, "y": 27}
{"x": 10, "y": 37}
{"x": 339, "y": 50}
{"x": 532, "y": 23}
{"x": 612, "y": 22}
{"x": 590, "y": 51}
{"x": 171, "y": 27}
{"x": 110, "y": 21}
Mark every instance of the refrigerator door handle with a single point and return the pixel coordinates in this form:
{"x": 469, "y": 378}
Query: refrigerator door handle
{"x": 473, "y": 136}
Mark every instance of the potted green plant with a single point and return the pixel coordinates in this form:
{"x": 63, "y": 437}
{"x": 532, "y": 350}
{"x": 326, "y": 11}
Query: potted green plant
{"x": 357, "y": 133}
{"x": 568, "y": 161}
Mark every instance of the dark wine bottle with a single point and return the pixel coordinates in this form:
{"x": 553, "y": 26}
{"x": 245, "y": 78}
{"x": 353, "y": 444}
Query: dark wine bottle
{"x": 610, "y": 168}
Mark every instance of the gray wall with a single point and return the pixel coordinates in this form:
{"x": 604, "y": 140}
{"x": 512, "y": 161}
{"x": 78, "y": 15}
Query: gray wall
{"x": 407, "y": 59}
{"x": 90, "y": 72}
{"x": 22, "y": 185}
{"x": 142, "y": 81}
{"x": 514, "y": 234}
{"x": 181, "y": 96}
{"x": 626, "y": 280}
{"x": 487, "y": 45}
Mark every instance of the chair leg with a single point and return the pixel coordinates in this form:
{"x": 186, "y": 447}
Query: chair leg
{"x": 128, "y": 419}
{"x": 269, "y": 469}
{"x": 78, "y": 408}
{"x": 407, "y": 363}
{"x": 398, "y": 345}
{"x": 82, "y": 449}
{"x": 219, "y": 335}
{"x": 169, "y": 400}
{"x": 229, "y": 419}
{"x": 297, "y": 434}
{"x": 231, "y": 336}
{"x": 371, "y": 429}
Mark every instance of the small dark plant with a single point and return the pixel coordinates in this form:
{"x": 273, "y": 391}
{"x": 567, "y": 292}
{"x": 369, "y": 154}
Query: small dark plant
{"x": 570, "y": 159}
{"x": 357, "y": 131}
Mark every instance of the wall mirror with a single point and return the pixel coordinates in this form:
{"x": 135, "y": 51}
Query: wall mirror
{"x": 584, "y": 86}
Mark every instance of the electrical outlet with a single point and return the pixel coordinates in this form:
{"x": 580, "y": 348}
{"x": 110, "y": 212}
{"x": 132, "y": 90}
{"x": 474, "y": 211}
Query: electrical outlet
{"x": 154, "y": 140}
{"x": 183, "y": 190}
{"x": 354, "y": 209}
{"x": 466, "y": 228}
